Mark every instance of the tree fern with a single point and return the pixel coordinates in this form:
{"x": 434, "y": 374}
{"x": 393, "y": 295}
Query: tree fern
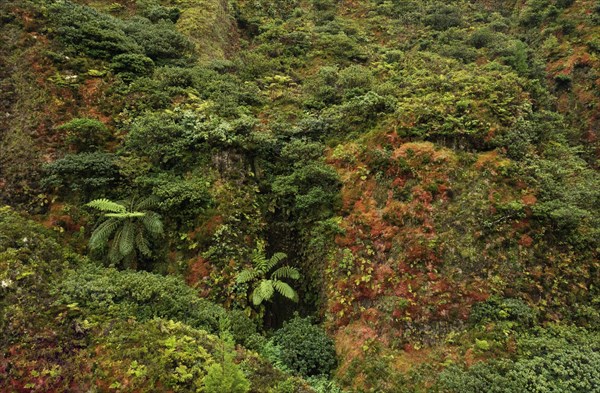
{"x": 113, "y": 252}
{"x": 126, "y": 228}
{"x": 274, "y": 260}
{"x": 142, "y": 244}
{"x": 264, "y": 288}
{"x": 147, "y": 203}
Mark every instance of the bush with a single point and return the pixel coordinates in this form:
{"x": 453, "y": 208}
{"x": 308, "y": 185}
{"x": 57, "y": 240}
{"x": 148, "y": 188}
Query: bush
{"x": 86, "y": 174}
{"x": 30, "y": 259}
{"x": 132, "y": 65}
{"x": 166, "y": 140}
{"x": 305, "y": 348}
{"x": 309, "y": 193}
{"x": 84, "y": 134}
{"x": 443, "y": 17}
{"x": 156, "y": 13}
{"x": 180, "y": 199}
{"x": 499, "y": 309}
{"x": 85, "y": 30}
{"x": 160, "y": 41}
{"x": 558, "y": 359}
{"x": 82, "y": 29}
{"x": 105, "y": 293}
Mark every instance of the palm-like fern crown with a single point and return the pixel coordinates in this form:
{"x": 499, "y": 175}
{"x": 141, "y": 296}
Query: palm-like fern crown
{"x": 128, "y": 227}
{"x": 265, "y": 288}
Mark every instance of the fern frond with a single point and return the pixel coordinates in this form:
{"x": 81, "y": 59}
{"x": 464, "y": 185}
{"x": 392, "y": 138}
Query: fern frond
{"x": 286, "y": 272}
{"x": 258, "y": 256}
{"x": 126, "y": 242}
{"x": 275, "y": 259}
{"x": 102, "y": 233}
{"x": 114, "y": 255}
{"x": 266, "y": 289}
{"x": 142, "y": 244}
{"x": 153, "y": 223}
{"x": 247, "y": 275}
{"x": 106, "y": 205}
{"x": 256, "y": 296}
{"x": 285, "y": 290}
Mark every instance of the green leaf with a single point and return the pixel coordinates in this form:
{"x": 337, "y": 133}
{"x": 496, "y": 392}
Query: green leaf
{"x": 266, "y": 289}
{"x": 153, "y": 223}
{"x": 100, "y": 236}
{"x": 126, "y": 242}
{"x": 286, "y": 272}
{"x": 106, "y": 205}
{"x": 275, "y": 259}
{"x": 247, "y": 275}
{"x": 285, "y": 290}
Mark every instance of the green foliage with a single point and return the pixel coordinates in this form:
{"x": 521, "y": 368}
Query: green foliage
{"x": 85, "y": 175}
{"x": 105, "y": 293}
{"x": 308, "y": 193}
{"x": 155, "y": 12}
{"x": 265, "y": 288}
{"x": 167, "y": 141}
{"x": 224, "y": 375}
{"x": 500, "y": 309}
{"x": 304, "y": 123}
{"x": 84, "y": 134}
{"x": 82, "y": 29}
{"x": 559, "y": 359}
{"x": 130, "y": 66}
{"x": 160, "y": 41}
{"x": 30, "y": 259}
{"x": 85, "y": 30}
{"x": 305, "y": 348}
{"x": 443, "y": 17}
{"x": 457, "y": 107}
{"x": 131, "y": 228}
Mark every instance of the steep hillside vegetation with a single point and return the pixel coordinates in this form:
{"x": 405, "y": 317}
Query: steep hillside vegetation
{"x": 418, "y": 178}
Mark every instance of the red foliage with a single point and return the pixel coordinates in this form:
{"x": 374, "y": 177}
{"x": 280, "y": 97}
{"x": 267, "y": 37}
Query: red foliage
{"x": 198, "y": 268}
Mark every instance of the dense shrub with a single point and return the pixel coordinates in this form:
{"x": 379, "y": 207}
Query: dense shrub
{"x": 167, "y": 141}
{"x": 160, "y": 41}
{"x": 309, "y": 193}
{"x": 30, "y": 259}
{"x": 84, "y": 30}
{"x": 104, "y": 293}
{"x": 500, "y": 309}
{"x": 559, "y": 359}
{"x": 156, "y": 13}
{"x": 305, "y": 348}
{"x": 85, "y": 174}
{"x": 442, "y": 17}
{"x": 180, "y": 199}
{"x": 132, "y": 65}
{"x": 84, "y": 134}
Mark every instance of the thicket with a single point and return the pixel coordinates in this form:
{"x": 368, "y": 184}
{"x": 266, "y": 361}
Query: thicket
{"x": 412, "y": 159}
{"x": 556, "y": 359}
